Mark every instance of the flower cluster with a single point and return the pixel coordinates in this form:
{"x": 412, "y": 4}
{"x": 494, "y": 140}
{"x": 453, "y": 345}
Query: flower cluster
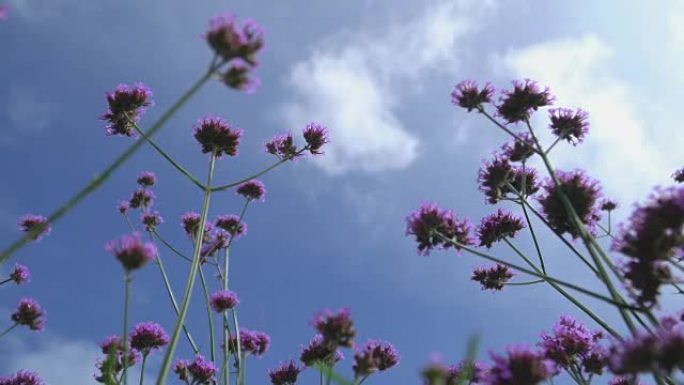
{"x": 520, "y": 149}
{"x": 337, "y": 329}
{"x": 113, "y": 363}
{"x": 34, "y": 226}
{"x": 126, "y": 104}
{"x": 662, "y": 350}
{"x": 492, "y": 278}
{"x": 253, "y": 342}
{"x": 520, "y": 365}
{"x": 132, "y": 252}
{"x": 29, "y": 313}
{"x": 464, "y": 373}
{"x": 569, "y": 125}
{"x": 466, "y": 94}
{"x": 232, "y": 224}
{"x": 496, "y": 227}
{"x": 499, "y": 180}
{"x": 678, "y": 176}
{"x": 199, "y": 372}
{"x": 285, "y": 373}
{"x": 20, "y": 274}
{"x": 224, "y": 300}
{"x": 375, "y": 356}
{"x": 319, "y": 352}
{"x": 572, "y": 345}
{"x": 22, "y": 377}
{"x": 252, "y": 190}
{"x": 433, "y": 227}
{"x": 526, "y": 96}
{"x": 217, "y": 137}
{"x": 147, "y": 337}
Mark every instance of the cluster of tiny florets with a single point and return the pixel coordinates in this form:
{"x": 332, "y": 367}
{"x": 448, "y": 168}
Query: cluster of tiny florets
{"x": 569, "y": 125}
{"x": 21, "y": 274}
{"x": 132, "y": 252}
{"x": 126, "y": 105}
{"x": 662, "y": 350}
{"x": 317, "y": 351}
{"x": 224, "y": 300}
{"x": 22, "y": 377}
{"x": 252, "y": 190}
{"x": 29, "y": 313}
{"x": 285, "y": 373}
{"x": 433, "y": 227}
{"x": 217, "y": 137}
{"x": 468, "y": 95}
{"x": 498, "y": 226}
{"x": 35, "y": 227}
{"x": 493, "y": 278}
{"x": 200, "y": 371}
{"x": 147, "y": 337}
{"x": 526, "y": 96}
{"x": 337, "y": 328}
{"x": 678, "y": 176}
{"x": 520, "y": 148}
{"x": 571, "y": 344}
{"x": 253, "y": 342}
{"x": 519, "y": 365}
{"x": 375, "y": 356}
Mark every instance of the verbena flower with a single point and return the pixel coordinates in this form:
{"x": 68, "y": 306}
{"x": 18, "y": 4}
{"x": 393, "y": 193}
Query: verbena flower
{"x": 519, "y": 150}
{"x": 430, "y": 225}
{"x": 151, "y": 220}
{"x": 373, "y": 357}
{"x": 123, "y": 207}
{"x": 252, "y": 342}
{"x": 199, "y": 372}
{"x": 191, "y": 222}
{"x": 494, "y": 177}
{"x": 34, "y": 226}
{"x": 608, "y": 205}
{"x": 319, "y": 352}
{"x": 470, "y": 372}
{"x": 583, "y": 194}
{"x": 4, "y": 11}
{"x": 141, "y": 198}
{"x": 147, "y": 337}
{"x": 22, "y": 377}
{"x": 572, "y": 344}
{"x": 232, "y": 41}
{"x": 678, "y": 176}
{"x": 223, "y": 300}
{"x": 569, "y": 125}
{"x": 252, "y": 190}
{"x": 519, "y": 365}
{"x": 316, "y": 136}
{"x": 237, "y": 77}
{"x": 126, "y": 104}
{"x": 131, "y": 251}
{"x": 217, "y": 240}
{"x": 21, "y": 274}
{"x": 466, "y": 94}
{"x": 283, "y": 146}
{"x": 216, "y": 136}
{"x": 337, "y": 328}
{"x": 526, "y": 96}
{"x": 496, "y": 227}
{"x": 113, "y": 345}
{"x": 646, "y": 277}
{"x": 285, "y": 373}
{"x": 492, "y": 278}
{"x": 663, "y": 350}
{"x": 232, "y": 224}
{"x": 29, "y": 313}
{"x": 147, "y": 179}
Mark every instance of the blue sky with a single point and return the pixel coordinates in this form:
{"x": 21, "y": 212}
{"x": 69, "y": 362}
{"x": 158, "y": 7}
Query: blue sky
{"x": 331, "y": 232}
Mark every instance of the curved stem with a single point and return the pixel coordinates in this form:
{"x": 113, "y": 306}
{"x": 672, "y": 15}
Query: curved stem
{"x": 260, "y": 173}
{"x": 210, "y": 318}
{"x": 170, "y": 246}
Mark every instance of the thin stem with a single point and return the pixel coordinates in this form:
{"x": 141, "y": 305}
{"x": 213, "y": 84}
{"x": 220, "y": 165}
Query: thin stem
{"x": 240, "y": 362}
{"x": 242, "y": 371}
{"x": 7, "y": 280}
{"x": 534, "y": 238}
{"x": 170, "y": 246}
{"x": 210, "y": 316}
{"x": 241, "y": 181}
{"x": 127, "y": 295}
{"x": 501, "y": 126}
{"x": 192, "y": 275}
{"x": 9, "y": 329}
{"x": 555, "y": 142}
{"x": 142, "y": 369}
{"x": 524, "y": 283}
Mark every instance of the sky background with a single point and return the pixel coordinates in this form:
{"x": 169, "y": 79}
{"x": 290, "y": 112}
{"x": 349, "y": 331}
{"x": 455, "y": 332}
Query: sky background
{"x": 331, "y": 232}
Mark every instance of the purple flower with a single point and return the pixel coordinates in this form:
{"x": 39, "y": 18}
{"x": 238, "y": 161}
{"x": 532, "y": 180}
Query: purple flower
{"x": 237, "y": 77}
{"x": 223, "y": 300}
{"x": 373, "y": 357}
{"x": 4, "y": 10}
{"x": 337, "y": 329}
{"x": 570, "y": 343}
{"x": 114, "y": 346}
{"x": 201, "y": 371}
{"x": 471, "y": 372}
{"x": 123, "y": 206}
{"x": 29, "y": 313}
{"x": 231, "y": 41}
{"x": 147, "y": 179}
{"x": 316, "y": 135}
{"x": 126, "y": 104}
{"x": 583, "y": 194}
{"x": 252, "y": 190}
{"x": 285, "y": 373}
{"x": 634, "y": 355}
{"x": 21, "y": 274}
{"x": 493, "y": 178}
{"x": 493, "y": 278}
{"x": 430, "y": 225}
{"x": 232, "y": 224}
{"x": 645, "y": 278}
{"x": 214, "y": 241}
{"x": 518, "y": 366}
{"x": 141, "y": 198}
{"x": 569, "y": 125}
{"x": 319, "y": 352}
{"x": 608, "y": 205}
{"x": 151, "y": 220}
{"x": 111, "y": 343}
{"x": 131, "y": 251}
{"x": 34, "y": 226}
{"x": 22, "y": 377}
{"x": 191, "y": 223}
{"x": 526, "y": 96}
{"x": 678, "y": 175}
{"x": 148, "y": 336}
{"x": 283, "y": 147}
{"x": 496, "y": 227}
{"x": 216, "y": 136}
{"x": 466, "y": 94}
{"x": 519, "y": 150}
{"x": 253, "y": 342}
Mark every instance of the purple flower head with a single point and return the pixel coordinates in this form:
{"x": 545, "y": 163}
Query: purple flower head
{"x": 337, "y": 329}
{"x": 216, "y": 136}
{"x": 252, "y": 190}
{"x": 131, "y": 251}
{"x": 496, "y": 227}
{"x": 237, "y": 77}
{"x": 232, "y": 224}
{"x": 147, "y": 179}
{"x": 466, "y": 94}
{"x": 493, "y": 278}
{"x": 645, "y": 278}
{"x": 435, "y": 373}
{"x": 191, "y": 223}
{"x": 126, "y": 104}
{"x": 493, "y": 178}
{"x": 470, "y": 372}
{"x": 216, "y": 240}
{"x": 569, "y": 125}
{"x": 519, "y": 365}
{"x": 283, "y": 147}
{"x": 678, "y": 176}
{"x": 148, "y": 336}
{"x": 151, "y": 220}
{"x": 285, "y": 373}
{"x": 253, "y": 342}
{"x": 430, "y": 225}
{"x": 35, "y": 227}
{"x": 123, "y": 206}
{"x": 526, "y": 176}
{"x": 635, "y": 355}
{"x": 526, "y": 97}
{"x": 316, "y": 135}
{"x": 200, "y": 370}
{"x": 373, "y": 357}
{"x": 111, "y": 343}
{"x": 20, "y": 274}
{"x": 569, "y": 343}
{"x": 29, "y": 313}
{"x": 141, "y": 198}
{"x": 232, "y": 41}
{"x": 519, "y": 150}
{"x": 583, "y": 194}
{"x": 4, "y": 10}
{"x": 22, "y": 377}
{"x": 608, "y": 205}
{"x": 319, "y": 352}
{"x": 180, "y": 367}
{"x": 224, "y": 300}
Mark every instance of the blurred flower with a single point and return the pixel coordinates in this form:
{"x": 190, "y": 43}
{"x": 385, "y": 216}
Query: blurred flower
{"x": 470, "y": 372}
{"x": 22, "y": 377}
{"x": 518, "y": 366}
{"x": 493, "y": 178}
{"x": 253, "y": 342}
{"x": 232, "y": 224}
{"x": 147, "y": 179}
{"x": 141, "y": 198}
{"x": 569, "y": 125}
{"x": 29, "y": 313}
{"x": 201, "y": 371}
{"x": 126, "y": 103}
{"x": 34, "y": 226}
{"x": 678, "y": 175}
{"x": 285, "y": 373}
{"x": 466, "y": 94}
{"x": 373, "y": 357}
{"x": 623, "y": 380}
{"x": 429, "y": 224}
{"x": 223, "y": 300}
{"x": 283, "y": 147}
{"x": 571, "y": 344}
{"x": 316, "y": 135}
{"x": 608, "y": 205}
{"x": 123, "y": 206}
{"x": 526, "y": 97}
{"x": 148, "y": 336}
{"x": 217, "y": 137}
{"x": 151, "y": 220}
{"x": 20, "y": 274}
{"x": 231, "y": 41}
{"x": 4, "y": 10}
{"x": 496, "y": 227}
{"x": 319, "y": 352}
{"x": 492, "y": 278}
{"x": 519, "y": 150}
{"x": 131, "y": 251}
{"x": 252, "y": 190}
{"x": 237, "y": 77}
{"x": 337, "y": 329}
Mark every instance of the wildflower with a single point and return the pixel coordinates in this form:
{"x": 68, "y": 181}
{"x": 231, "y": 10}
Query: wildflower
{"x": 191, "y": 223}
{"x": 126, "y": 104}
{"x": 22, "y": 377}
{"x": 200, "y": 370}
{"x": 493, "y": 178}
{"x": 21, "y": 274}
{"x": 123, "y": 206}
{"x": 151, "y": 220}
{"x": 570, "y": 343}
{"x": 148, "y": 336}
{"x": 337, "y": 329}
{"x": 466, "y": 94}
{"x": 678, "y": 175}
{"x": 433, "y": 227}
{"x": 253, "y": 342}
{"x": 114, "y": 346}
{"x": 470, "y": 372}
{"x": 132, "y": 252}
{"x": 520, "y": 149}
{"x": 608, "y": 205}
{"x": 283, "y": 147}
{"x": 285, "y": 373}
{"x": 526, "y": 96}
{"x": 230, "y": 41}
{"x": 216, "y": 136}
{"x": 583, "y": 194}
{"x": 635, "y": 355}
{"x": 569, "y": 125}
{"x": 524, "y": 181}
{"x": 436, "y": 373}
{"x": 237, "y": 77}
{"x": 519, "y": 365}
{"x": 319, "y": 352}
{"x": 141, "y": 198}
{"x": 232, "y": 224}
{"x": 29, "y": 313}
{"x": 496, "y": 227}
{"x": 147, "y": 179}
{"x": 645, "y": 278}
{"x": 375, "y": 356}
{"x": 493, "y": 278}
{"x": 315, "y": 135}
{"x": 224, "y": 300}
{"x": 4, "y": 10}
{"x": 34, "y": 226}
{"x": 252, "y": 190}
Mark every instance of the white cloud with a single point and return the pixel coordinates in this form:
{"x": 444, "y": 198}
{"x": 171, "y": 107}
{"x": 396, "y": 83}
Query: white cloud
{"x": 622, "y": 150}
{"x": 350, "y": 85}
{"x": 28, "y": 112}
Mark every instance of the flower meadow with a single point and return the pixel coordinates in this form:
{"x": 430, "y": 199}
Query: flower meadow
{"x": 633, "y": 264}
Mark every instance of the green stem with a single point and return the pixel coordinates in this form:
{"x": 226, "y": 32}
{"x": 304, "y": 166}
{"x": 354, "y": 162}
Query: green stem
{"x": 5, "y": 281}
{"x": 525, "y": 283}
{"x": 127, "y": 296}
{"x": 240, "y": 362}
{"x": 534, "y": 239}
{"x": 241, "y": 181}
{"x": 192, "y": 275}
{"x": 170, "y": 246}
{"x": 9, "y": 329}
{"x": 242, "y": 371}
{"x": 509, "y": 132}
{"x": 142, "y": 369}
{"x": 210, "y": 316}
